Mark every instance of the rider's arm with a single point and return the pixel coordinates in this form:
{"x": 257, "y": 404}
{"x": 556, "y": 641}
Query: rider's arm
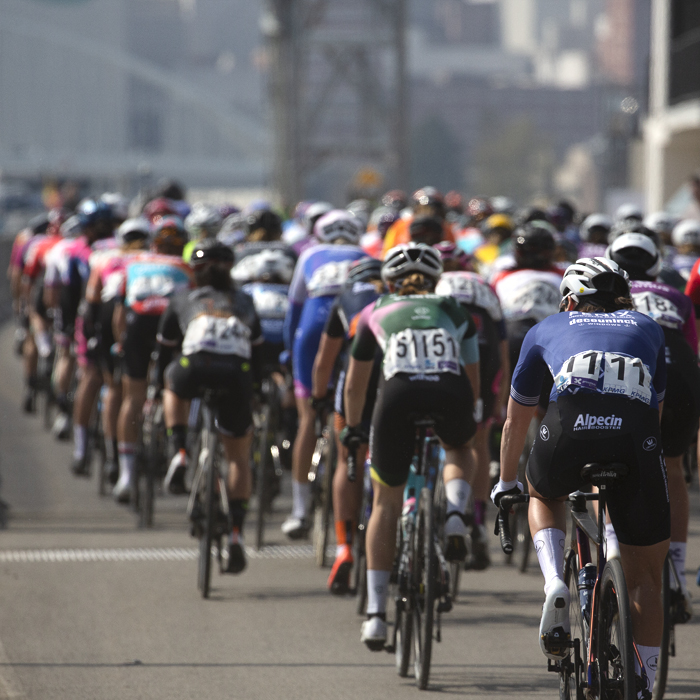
{"x": 469, "y": 351}
{"x": 297, "y": 297}
{"x": 169, "y": 339}
{"x": 504, "y": 386}
{"x": 328, "y": 351}
{"x": 513, "y": 438}
{"x": 119, "y": 321}
{"x": 360, "y": 369}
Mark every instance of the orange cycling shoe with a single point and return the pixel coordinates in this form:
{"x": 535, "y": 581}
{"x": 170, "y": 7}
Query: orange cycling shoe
{"x": 339, "y": 580}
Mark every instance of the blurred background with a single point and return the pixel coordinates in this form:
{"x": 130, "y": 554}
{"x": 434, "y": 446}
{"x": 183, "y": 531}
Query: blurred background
{"x": 595, "y": 101}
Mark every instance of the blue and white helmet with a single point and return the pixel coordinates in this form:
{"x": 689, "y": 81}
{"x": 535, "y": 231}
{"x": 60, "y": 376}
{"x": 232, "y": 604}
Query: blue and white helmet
{"x": 588, "y": 276}
{"x": 339, "y": 224}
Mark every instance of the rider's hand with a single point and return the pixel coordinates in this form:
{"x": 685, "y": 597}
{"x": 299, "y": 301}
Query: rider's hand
{"x": 353, "y": 436}
{"x": 319, "y": 405}
{"x": 506, "y": 488}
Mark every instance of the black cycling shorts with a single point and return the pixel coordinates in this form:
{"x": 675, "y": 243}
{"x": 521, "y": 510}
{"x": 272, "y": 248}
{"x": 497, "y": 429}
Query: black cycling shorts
{"x": 446, "y": 397}
{"x": 105, "y": 357}
{"x": 583, "y": 428}
{"x": 190, "y": 375}
{"x": 679, "y": 420}
{"x": 69, "y": 301}
{"x": 37, "y": 301}
{"x": 139, "y": 343}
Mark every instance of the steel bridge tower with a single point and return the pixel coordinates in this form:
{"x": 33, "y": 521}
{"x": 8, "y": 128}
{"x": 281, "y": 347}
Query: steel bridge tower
{"x": 338, "y": 90}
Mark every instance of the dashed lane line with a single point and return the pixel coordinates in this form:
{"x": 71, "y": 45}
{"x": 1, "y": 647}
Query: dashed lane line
{"x": 142, "y": 554}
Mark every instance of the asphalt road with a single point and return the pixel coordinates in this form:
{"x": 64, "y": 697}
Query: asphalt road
{"x": 91, "y": 607}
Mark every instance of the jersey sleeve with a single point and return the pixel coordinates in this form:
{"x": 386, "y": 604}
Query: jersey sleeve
{"x": 659, "y": 379}
{"x": 365, "y": 344}
{"x": 469, "y": 350}
{"x": 529, "y": 373}
{"x": 690, "y": 330}
{"x": 334, "y": 326}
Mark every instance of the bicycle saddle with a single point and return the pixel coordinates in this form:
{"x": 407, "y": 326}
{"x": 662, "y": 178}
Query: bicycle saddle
{"x": 600, "y": 473}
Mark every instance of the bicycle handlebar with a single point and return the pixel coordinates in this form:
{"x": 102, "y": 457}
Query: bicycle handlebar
{"x": 502, "y": 527}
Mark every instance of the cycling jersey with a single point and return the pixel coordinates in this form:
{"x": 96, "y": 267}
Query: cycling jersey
{"x": 422, "y": 334}
{"x": 36, "y": 252}
{"x": 400, "y": 232}
{"x": 619, "y": 353}
{"x": 151, "y": 279}
{"x": 528, "y": 294}
{"x": 592, "y": 250}
{"x": 318, "y": 278}
{"x": 683, "y": 264}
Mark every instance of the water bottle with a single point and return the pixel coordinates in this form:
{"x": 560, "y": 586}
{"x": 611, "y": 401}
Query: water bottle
{"x": 586, "y": 581}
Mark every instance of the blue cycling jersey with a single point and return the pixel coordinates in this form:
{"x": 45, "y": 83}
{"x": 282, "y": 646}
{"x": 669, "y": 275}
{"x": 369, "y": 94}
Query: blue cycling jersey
{"x": 619, "y": 353}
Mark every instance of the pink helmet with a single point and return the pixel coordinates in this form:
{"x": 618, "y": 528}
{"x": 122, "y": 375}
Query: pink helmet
{"x": 451, "y": 252}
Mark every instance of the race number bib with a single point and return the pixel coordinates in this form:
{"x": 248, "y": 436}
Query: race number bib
{"x": 223, "y": 336}
{"x": 535, "y": 300}
{"x": 606, "y": 373}
{"x": 328, "y": 278}
{"x": 417, "y": 351}
{"x": 467, "y": 290}
{"x": 269, "y": 303}
{"x": 662, "y": 310}
{"x": 150, "y": 286}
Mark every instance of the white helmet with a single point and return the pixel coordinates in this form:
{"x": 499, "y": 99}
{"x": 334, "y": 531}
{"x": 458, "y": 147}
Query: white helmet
{"x": 588, "y": 276}
{"x": 338, "y": 224}
{"x": 72, "y": 227}
{"x": 686, "y": 232}
{"x": 204, "y": 221}
{"x": 660, "y": 222}
{"x": 628, "y": 211}
{"x": 313, "y": 213}
{"x": 407, "y": 258}
{"x": 136, "y": 229}
{"x": 269, "y": 265}
{"x": 594, "y": 221}
{"x": 635, "y": 253}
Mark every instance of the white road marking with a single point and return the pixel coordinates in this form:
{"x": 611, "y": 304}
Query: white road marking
{"x": 143, "y": 554}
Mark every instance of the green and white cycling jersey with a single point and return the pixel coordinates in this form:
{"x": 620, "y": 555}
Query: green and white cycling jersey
{"x": 418, "y": 334}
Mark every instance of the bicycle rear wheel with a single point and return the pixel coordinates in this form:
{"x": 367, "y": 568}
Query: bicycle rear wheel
{"x": 208, "y": 535}
{"x": 403, "y": 617}
{"x": 664, "y": 651}
{"x": 424, "y": 579}
{"x": 571, "y": 674}
{"x": 615, "y": 657}
{"x": 323, "y": 512}
{"x": 155, "y": 448}
{"x": 261, "y": 456}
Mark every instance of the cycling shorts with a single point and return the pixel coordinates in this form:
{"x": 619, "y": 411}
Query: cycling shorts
{"x": 446, "y": 397}
{"x": 190, "y": 375}
{"x": 107, "y": 339}
{"x": 37, "y": 301}
{"x": 139, "y": 343}
{"x": 69, "y": 301}
{"x": 306, "y": 341}
{"x": 679, "y": 420}
{"x": 583, "y": 428}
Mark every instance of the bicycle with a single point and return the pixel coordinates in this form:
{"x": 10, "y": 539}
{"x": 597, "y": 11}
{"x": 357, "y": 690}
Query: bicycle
{"x": 421, "y": 572}
{"x": 600, "y": 641}
{"x": 153, "y": 463}
{"x": 359, "y": 552}
{"x": 674, "y": 614}
{"x": 321, "y": 480}
{"x": 208, "y": 506}
{"x": 267, "y": 469}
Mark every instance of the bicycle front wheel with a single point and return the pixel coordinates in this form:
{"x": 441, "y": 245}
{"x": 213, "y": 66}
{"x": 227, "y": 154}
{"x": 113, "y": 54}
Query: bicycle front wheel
{"x": 662, "y": 664}
{"x": 571, "y": 672}
{"x": 615, "y": 651}
{"x": 424, "y": 575}
{"x": 261, "y": 456}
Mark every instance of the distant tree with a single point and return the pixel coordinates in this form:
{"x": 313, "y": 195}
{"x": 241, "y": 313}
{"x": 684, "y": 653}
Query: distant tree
{"x": 513, "y": 158}
{"x": 436, "y": 156}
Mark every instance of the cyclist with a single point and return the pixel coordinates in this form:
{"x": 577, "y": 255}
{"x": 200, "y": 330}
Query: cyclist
{"x": 430, "y": 366}
{"x": 362, "y": 287}
{"x": 594, "y": 232}
{"x": 106, "y": 278}
{"x": 608, "y": 366}
{"x": 474, "y": 293}
{"x": 318, "y": 279}
{"x": 150, "y": 280}
{"x": 204, "y": 221}
{"x": 686, "y": 240}
{"x": 498, "y": 231}
{"x": 673, "y": 311}
{"x": 381, "y": 219}
{"x": 216, "y": 330}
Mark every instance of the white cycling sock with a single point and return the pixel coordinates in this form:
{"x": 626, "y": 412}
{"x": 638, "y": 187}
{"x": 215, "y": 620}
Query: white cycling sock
{"x": 127, "y": 460}
{"x": 612, "y": 546}
{"x": 377, "y": 590}
{"x": 300, "y": 498}
{"x": 549, "y": 545}
{"x": 79, "y": 441}
{"x": 43, "y": 343}
{"x": 457, "y": 492}
{"x": 650, "y": 657}
{"x": 676, "y": 551}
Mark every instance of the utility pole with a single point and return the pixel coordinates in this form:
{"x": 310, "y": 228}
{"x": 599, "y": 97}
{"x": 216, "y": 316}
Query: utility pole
{"x": 339, "y": 93}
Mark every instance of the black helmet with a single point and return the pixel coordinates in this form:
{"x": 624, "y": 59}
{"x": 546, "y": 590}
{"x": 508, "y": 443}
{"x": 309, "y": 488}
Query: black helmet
{"x": 210, "y": 250}
{"x": 637, "y": 254}
{"x": 426, "y": 229}
{"x": 265, "y": 219}
{"x": 365, "y": 269}
{"x": 534, "y": 244}
{"x": 528, "y": 214}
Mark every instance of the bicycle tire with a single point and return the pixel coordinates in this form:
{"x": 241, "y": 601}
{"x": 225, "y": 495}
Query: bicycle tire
{"x": 424, "y": 575}
{"x": 147, "y": 487}
{"x": 262, "y": 468}
{"x": 403, "y": 617}
{"x": 324, "y": 506}
{"x": 615, "y": 653}
{"x": 360, "y": 568}
{"x": 664, "y": 651}
{"x": 404, "y": 641}
{"x": 570, "y": 683}
{"x": 207, "y": 539}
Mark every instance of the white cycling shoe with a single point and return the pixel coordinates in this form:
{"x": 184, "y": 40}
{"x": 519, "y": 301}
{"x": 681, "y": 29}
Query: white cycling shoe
{"x": 555, "y": 629}
{"x": 295, "y": 528}
{"x": 122, "y": 489}
{"x": 374, "y": 633}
